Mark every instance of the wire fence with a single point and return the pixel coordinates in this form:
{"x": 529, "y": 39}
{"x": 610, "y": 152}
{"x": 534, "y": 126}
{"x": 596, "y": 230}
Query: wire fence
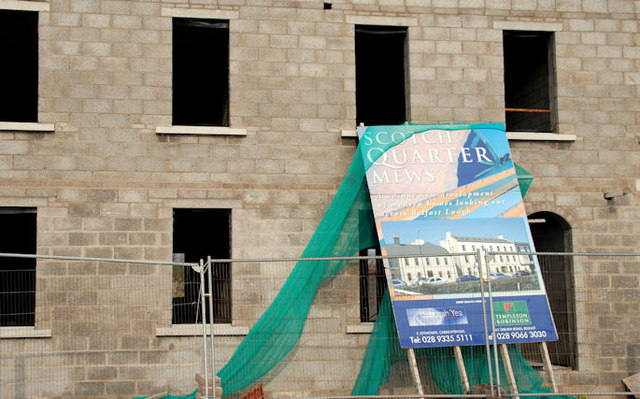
{"x": 94, "y": 327}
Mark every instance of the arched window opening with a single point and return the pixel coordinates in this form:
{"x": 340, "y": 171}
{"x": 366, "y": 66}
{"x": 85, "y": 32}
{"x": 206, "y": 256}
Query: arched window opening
{"x": 551, "y": 233}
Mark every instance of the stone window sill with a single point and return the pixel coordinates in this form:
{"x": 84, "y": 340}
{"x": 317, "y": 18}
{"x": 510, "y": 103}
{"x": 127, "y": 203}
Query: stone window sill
{"x": 23, "y": 332}
{"x": 534, "y": 136}
{"x": 27, "y": 127}
{"x": 362, "y": 328}
{"x": 24, "y": 5}
{"x": 514, "y": 136}
{"x": 201, "y": 130}
{"x": 186, "y": 330}
{"x": 349, "y": 133}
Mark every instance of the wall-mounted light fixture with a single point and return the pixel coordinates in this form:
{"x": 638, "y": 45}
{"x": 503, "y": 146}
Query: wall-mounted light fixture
{"x": 610, "y": 196}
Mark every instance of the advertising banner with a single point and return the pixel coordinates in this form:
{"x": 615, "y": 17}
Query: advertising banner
{"x": 440, "y": 195}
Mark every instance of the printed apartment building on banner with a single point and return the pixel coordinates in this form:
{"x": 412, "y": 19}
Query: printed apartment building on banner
{"x": 440, "y": 194}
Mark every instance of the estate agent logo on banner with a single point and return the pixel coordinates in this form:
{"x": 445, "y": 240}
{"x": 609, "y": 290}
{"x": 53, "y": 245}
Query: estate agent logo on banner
{"x": 440, "y": 194}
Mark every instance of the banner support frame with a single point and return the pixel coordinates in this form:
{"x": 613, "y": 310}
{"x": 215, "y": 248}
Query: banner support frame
{"x": 415, "y": 374}
{"x": 508, "y": 370}
{"x": 461, "y": 369}
{"x": 546, "y": 359}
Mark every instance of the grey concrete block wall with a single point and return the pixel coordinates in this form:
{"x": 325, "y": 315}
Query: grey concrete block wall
{"x": 105, "y": 183}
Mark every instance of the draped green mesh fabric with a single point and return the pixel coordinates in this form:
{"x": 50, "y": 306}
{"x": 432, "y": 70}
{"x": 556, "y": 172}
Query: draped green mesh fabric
{"x": 341, "y": 232}
{"x": 347, "y": 227}
{"x": 381, "y": 353}
{"x": 524, "y": 179}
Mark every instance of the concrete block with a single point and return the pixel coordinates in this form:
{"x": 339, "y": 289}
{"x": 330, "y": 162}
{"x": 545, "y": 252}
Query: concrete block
{"x": 153, "y": 357}
{"x": 120, "y": 387}
{"x": 88, "y": 388}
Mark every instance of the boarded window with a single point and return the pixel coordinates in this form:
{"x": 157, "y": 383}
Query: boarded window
{"x": 19, "y": 66}
{"x": 529, "y": 81}
{"x": 17, "y": 275}
{"x": 199, "y": 234}
{"x": 381, "y": 75}
{"x": 200, "y": 72}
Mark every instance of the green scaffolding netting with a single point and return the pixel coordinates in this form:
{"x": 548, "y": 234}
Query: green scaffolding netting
{"x": 342, "y": 232}
{"x": 347, "y": 227}
{"x": 524, "y": 178}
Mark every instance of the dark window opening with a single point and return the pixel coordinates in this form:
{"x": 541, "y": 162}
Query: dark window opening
{"x": 551, "y": 233}
{"x": 19, "y": 68}
{"x": 197, "y": 234}
{"x": 529, "y": 80}
{"x": 200, "y": 72}
{"x": 372, "y": 285}
{"x": 17, "y": 275}
{"x": 381, "y": 75}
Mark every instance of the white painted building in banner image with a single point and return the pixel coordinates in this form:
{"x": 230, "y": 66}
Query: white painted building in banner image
{"x": 525, "y": 256}
{"x": 423, "y": 260}
{"x": 509, "y": 263}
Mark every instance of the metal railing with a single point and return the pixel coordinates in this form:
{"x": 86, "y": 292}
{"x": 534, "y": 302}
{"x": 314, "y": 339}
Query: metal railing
{"x": 80, "y": 326}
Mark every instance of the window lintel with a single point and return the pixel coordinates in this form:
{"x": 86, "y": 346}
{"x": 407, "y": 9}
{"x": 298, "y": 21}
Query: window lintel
{"x": 528, "y": 26}
{"x": 198, "y": 13}
{"x": 201, "y": 130}
{"x": 382, "y": 21}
